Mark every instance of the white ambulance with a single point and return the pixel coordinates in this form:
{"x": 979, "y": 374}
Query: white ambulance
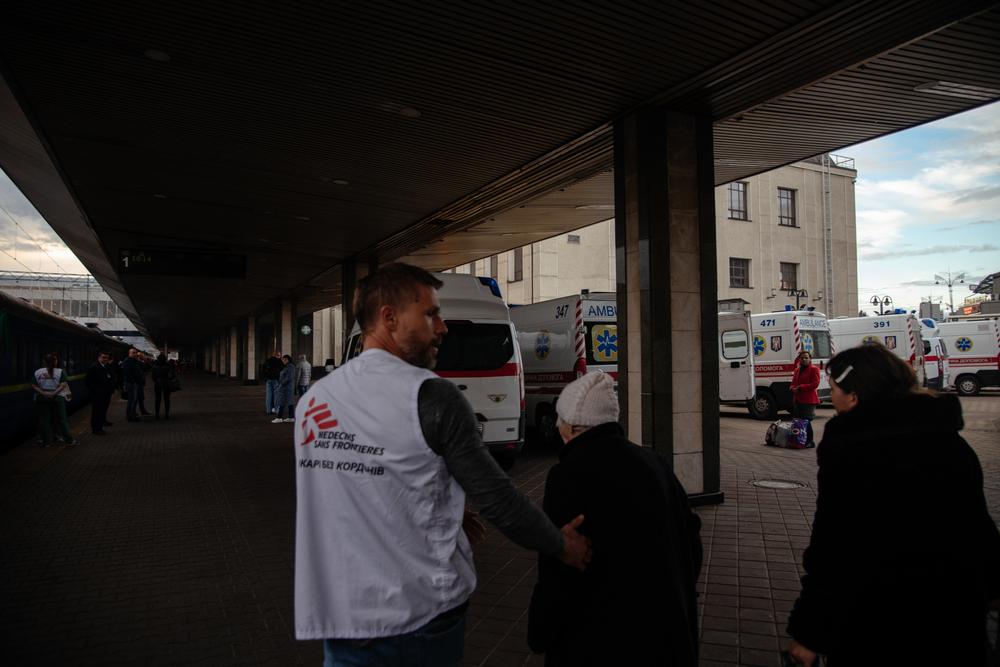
{"x": 936, "y": 365}
{"x": 560, "y": 340}
{"x": 900, "y": 333}
{"x": 778, "y": 338}
{"x": 481, "y": 357}
{"x": 973, "y": 354}
{"x": 736, "y": 371}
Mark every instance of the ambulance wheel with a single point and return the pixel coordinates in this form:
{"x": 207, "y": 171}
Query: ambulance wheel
{"x": 967, "y": 385}
{"x": 763, "y": 405}
{"x": 547, "y": 431}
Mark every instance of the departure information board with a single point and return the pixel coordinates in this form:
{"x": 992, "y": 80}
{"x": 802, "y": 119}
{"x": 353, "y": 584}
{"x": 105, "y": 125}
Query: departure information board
{"x": 188, "y": 263}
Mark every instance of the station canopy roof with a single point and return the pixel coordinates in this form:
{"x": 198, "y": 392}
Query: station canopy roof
{"x": 298, "y": 136}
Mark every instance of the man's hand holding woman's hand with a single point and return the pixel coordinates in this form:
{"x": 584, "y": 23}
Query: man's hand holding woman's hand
{"x": 576, "y": 547}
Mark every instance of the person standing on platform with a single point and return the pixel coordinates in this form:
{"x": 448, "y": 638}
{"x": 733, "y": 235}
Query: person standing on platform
{"x": 904, "y": 557}
{"x": 163, "y": 376}
{"x": 386, "y": 452}
{"x": 284, "y": 396}
{"x": 51, "y": 393}
{"x": 145, "y": 366}
{"x": 805, "y": 397}
{"x": 270, "y": 371}
{"x": 303, "y": 375}
{"x": 100, "y": 382}
{"x": 647, "y": 548}
{"x": 132, "y": 376}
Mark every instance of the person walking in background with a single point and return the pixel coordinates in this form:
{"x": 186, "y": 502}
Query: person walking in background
{"x": 132, "y": 377}
{"x": 100, "y": 383}
{"x": 904, "y": 557}
{"x": 646, "y": 546}
{"x": 284, "y": 398}
{"x": 164, "y": 376}
{"x": 270, "y": 371}
{"x": 805, "y": 398}
{"x": 51, "y": 393}
{"x": 303, "y": 375}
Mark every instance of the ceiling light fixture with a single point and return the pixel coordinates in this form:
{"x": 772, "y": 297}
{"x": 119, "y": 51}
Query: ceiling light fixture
{"x": 302, "y": 217}
{"x": 159, "y": 196}
{"x": 157, "y": 55}
{"x": 402, "y": 110}
{"x": 340, "y": 181}
{"x": 966, "y": 92}
{"x": 595, "y": 207}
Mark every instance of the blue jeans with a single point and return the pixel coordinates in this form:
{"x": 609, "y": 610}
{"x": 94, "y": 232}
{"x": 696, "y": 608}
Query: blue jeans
{"x": 132, "y": 391}
{"x": 440, "y": 643}
{"x": 271, "y": 387}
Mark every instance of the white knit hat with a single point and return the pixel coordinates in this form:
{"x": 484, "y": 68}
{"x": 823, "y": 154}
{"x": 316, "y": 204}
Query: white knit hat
{"x": 589, "y": 400}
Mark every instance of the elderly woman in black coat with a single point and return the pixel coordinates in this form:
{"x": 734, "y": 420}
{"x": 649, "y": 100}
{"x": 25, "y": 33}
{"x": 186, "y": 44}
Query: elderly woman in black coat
{"x": 904, "y": 556}
{"x": 284, "y": 397}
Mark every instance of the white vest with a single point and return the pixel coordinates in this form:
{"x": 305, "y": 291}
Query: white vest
{"x": 379, "y": 546}
{"x": 47, "y": 382}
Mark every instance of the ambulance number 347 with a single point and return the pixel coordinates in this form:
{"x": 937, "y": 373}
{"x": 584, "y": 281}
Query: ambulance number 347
{"x": 880, "y": 324}
{"x": 562, "y": 311}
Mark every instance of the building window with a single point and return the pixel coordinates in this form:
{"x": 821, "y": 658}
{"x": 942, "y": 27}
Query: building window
{"x": 789, "y": 276}
{"x": 739, "y": 272}
{"x": 786, "y": 207}
{"x": 573, "y": 238}
{"x": 738, "y": 201}
{"x": 518, "y": 264}
{"x": 493, "y": 267}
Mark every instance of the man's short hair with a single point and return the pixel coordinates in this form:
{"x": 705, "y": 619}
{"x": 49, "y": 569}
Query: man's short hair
{"x": 390, "y": 285}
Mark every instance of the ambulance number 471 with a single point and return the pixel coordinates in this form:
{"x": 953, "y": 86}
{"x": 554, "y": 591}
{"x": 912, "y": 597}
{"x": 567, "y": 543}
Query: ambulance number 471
{"x": 768, "y": 322}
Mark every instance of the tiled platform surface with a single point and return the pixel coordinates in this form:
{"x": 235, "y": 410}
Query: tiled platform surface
{"x": 171, "y": 542}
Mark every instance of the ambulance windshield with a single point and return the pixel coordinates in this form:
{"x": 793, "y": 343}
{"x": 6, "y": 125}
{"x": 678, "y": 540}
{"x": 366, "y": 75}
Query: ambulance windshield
{"x": 471, "y": 346}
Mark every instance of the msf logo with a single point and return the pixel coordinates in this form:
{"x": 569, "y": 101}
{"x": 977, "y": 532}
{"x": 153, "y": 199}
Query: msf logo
{"x": 317, "y": 416}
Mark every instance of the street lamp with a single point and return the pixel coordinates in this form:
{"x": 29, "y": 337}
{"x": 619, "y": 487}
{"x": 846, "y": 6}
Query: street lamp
{"x": 950, "y": 281}
{"x": 798, "y": 294}
{"x": 881, "y": 303}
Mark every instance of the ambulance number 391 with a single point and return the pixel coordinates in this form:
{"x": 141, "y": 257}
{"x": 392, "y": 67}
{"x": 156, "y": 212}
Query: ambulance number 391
{"x": 880, "y": 324}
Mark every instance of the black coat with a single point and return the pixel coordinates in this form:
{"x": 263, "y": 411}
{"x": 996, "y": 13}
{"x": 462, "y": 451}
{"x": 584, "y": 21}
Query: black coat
{"x": 100, "y": 380}
{"x": 271, "y": 368}
{"x": 904, "y": 555}
{"x": 636, "y": 603}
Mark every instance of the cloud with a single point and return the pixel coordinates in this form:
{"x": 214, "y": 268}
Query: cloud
{"x": 971, "y": 224}
{"x": 978, "y": 194}
{"x": 931, "y": 250}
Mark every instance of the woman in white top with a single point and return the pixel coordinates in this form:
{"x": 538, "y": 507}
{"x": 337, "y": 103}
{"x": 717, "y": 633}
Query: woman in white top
{"x": 51, "y": 393}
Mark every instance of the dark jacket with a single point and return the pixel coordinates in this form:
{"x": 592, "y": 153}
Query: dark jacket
{"x": 285, "y": 395}
{"x": 636, "y": 602}
{"x": 162, "y": 375}
{"x": 100, "y": 380}
{"x": 133, "y": 371}
{"x": 272, "y": 368}
{"x": 807, "y": 382}
{"x": 904, "y": 555}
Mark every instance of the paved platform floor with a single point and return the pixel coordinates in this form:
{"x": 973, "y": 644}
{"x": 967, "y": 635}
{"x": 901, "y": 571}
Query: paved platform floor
{"x": 171, "y": 542}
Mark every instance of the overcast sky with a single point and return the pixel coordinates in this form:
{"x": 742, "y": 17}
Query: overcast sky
{"x": 928, "y": 201}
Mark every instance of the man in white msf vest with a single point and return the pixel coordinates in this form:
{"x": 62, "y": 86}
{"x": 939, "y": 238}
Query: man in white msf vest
{"x": 386, "y": 453}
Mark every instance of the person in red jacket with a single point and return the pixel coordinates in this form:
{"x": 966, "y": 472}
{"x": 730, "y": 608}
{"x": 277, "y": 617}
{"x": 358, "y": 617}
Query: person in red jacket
{"x": 805, "y": 381}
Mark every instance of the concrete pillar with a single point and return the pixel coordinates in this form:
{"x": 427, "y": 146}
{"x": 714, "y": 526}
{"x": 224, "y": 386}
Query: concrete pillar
{"x": 317, "y": 355}
{"x": 667, "y": 292}
{"x": 251, "y": 349}
{"x": 324, "y": 337}
{"x": 233, "y": 353}
{"x": 352, "y": 272}
{"x": 287, "y": 328}
{"x": 337, "y": 337}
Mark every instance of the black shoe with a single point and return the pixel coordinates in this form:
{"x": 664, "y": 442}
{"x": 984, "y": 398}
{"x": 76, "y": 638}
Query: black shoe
{"x": 109, "y": 423}
{"x": 157, "y": 418}
{"x": 100, "y": 432}
{"x": 133, "y": 419}
{"x": 145, "y": 414}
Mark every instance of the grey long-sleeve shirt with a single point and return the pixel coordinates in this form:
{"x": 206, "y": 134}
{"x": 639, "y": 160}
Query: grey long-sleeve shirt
{"x": 449, "y": 427}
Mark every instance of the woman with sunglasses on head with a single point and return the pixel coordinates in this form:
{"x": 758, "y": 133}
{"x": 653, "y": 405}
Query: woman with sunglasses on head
{"x": 904, "y": 557}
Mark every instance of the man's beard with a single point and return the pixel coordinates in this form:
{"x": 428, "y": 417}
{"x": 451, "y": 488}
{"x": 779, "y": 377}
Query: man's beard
{"x": 421, "y": 356}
